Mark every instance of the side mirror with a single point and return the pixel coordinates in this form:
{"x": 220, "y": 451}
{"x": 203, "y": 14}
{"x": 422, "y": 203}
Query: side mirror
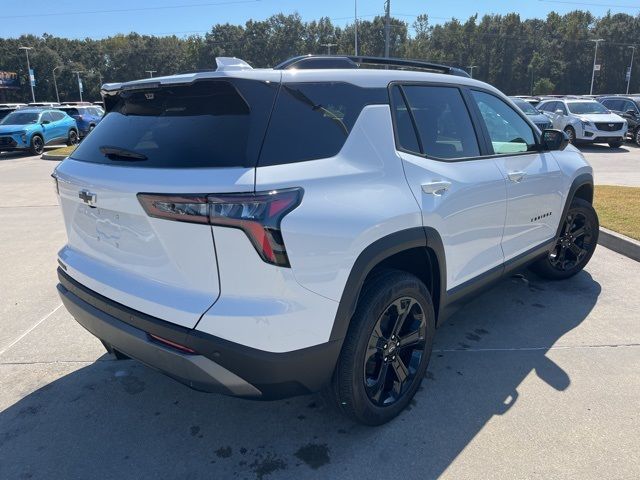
{"x": 559, "y": 112}
{"x": 632, "y": 113}
{"x": 554, "y": 140}
{"x": 45, "y": 122}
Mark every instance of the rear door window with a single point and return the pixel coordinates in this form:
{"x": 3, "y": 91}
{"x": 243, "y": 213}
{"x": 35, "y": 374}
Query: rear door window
{"x": 313, "y": 120}
{"x": 213, "y": 123}
{"x": 444, "y": 127}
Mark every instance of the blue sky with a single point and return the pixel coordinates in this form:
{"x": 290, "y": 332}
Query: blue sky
{"x": 98, "y": 19}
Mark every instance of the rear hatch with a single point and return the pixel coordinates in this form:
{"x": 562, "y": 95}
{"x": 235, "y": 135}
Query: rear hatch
{"x": 192, "y": 139}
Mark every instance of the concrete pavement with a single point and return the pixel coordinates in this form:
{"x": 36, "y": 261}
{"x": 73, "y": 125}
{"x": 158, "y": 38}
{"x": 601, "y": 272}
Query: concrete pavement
{"x": 531, "y": 380}
{"x": 614, "y": 166}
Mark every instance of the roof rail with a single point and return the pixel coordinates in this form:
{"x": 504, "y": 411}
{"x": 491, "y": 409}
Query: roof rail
{"x": 348, "y": 61}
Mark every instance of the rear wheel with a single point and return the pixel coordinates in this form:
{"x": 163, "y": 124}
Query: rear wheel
{"x": 72, "y": 139}
{"x": 37, "y": 145}
{"x": 571, "y": 133}
{"x": 386, "y": 352}
{"x": 575, "y": 246}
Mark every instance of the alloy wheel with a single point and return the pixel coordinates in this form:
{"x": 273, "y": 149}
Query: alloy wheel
{"x": 574, "y": 243}
{"x": 571, "y": 134}
{"x": 38, "y": 145}
{"x": 395, "y": 351}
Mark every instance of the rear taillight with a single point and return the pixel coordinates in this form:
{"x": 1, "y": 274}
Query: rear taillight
{"x": 257, "y": 214}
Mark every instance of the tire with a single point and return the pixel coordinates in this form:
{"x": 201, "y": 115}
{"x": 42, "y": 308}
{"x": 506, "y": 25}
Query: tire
{"x": 636, "y": 136}
{"x": 575, "y": 247}
{"x": 372, "y": 337}
{"x": 617, "y": 144}
{"x": 72, "y": 137}
{"x": 571, "y": 133}
{"x": 37, "y": 145}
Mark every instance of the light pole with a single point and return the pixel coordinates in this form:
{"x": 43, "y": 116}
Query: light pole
{"x": 355, "y": 25}
{"x": 55, "y": 83}
{"x": 471, "y": 67}
{"x": 633, "y": 52}
{"x": 328, "y": 45}
{"x": 151, "y": 72}
{"x": 78, "y": 72}
{"x": 387, "y": 27}
{"x": 26, "y": 50}
{"x": 595, "y": 58}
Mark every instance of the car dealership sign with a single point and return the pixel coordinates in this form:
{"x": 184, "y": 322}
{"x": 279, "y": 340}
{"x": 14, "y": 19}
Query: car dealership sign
{"x": 9, "y": 80}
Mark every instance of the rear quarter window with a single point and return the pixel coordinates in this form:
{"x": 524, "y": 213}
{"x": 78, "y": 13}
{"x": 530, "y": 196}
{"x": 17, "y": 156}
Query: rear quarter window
{"x": 213, "y": 123}
{"x": 313, "y": 120}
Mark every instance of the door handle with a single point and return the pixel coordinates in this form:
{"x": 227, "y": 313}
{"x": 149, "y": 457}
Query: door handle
{"x": 516, "y": 177}
{"x": 436, "y": 188}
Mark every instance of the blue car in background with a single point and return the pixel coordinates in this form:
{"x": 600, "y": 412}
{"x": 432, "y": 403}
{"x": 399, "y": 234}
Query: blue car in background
{"x": 33, "y": 128}
{"x": 536, "y": 116}
{"x": 86, "y": 117}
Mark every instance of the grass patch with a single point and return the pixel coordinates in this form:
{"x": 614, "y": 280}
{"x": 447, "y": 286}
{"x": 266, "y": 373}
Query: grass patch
{"x": 619, "y": 209}
{"x": 63, "y": 152}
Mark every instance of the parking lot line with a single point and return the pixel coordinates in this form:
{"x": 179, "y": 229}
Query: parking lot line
{"x": 5, "y": 349}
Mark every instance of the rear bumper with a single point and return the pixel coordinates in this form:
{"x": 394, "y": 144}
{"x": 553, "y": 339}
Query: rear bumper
{"x": 217, "y": 366}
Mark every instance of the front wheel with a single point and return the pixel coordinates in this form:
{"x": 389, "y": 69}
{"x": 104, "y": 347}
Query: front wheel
{"x": 636, "y": 136}
{"x": 576, "y": 243}
{"x": 571, "y": 133}
{"x": 386, "y": 352}
{"x": 37, "y": 145}
{"x": 616, "y": 144}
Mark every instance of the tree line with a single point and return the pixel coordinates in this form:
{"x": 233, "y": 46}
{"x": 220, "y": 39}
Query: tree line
{"x": 541, "y": 56}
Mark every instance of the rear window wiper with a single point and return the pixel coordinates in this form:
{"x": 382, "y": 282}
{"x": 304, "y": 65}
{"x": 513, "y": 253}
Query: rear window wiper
{"x": 119, "y": 153}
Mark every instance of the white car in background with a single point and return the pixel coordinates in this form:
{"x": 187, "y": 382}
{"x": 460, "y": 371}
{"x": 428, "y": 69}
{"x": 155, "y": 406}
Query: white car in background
{"x": 585, "y": 121}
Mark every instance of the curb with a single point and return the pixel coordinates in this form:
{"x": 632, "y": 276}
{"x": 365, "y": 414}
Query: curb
{"x": 619, "y": 243}
{"x": 46, "y": 156}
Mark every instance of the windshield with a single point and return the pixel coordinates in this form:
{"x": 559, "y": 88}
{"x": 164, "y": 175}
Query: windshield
{"x": 525, "y": 106}
{"x": 585, "y": 108}
{"x": 20, "y": 118}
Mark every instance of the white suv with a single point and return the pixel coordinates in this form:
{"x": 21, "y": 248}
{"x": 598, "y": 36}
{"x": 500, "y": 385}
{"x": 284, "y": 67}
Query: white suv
{"x": 274, "y": 232}
{"x": 585, "y": 121}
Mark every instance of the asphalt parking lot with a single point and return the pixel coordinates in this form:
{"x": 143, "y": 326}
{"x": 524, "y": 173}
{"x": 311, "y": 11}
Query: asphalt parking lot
{"x": 531, "y": 380}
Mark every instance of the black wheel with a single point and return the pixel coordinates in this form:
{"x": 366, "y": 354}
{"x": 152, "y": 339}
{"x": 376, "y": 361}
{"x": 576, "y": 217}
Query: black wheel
{"x": 386, "y": 352}
{"x": 37, "y": 145}
{"x": 616, "y": 144}
{"x": 91, "y": 127}
{"x": 72, "y": 139}
{"x": 571, "y": 133}
{"x": 575, "y": 246}
{"x": 636, "y": 136}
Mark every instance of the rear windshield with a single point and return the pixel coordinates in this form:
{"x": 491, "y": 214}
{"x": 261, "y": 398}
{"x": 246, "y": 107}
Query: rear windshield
{"x": 71, "y": 111}
{"x": 213, "y": 123}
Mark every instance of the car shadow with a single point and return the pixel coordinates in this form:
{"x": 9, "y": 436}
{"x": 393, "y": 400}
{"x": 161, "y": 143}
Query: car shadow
{"x": 119, "y": 419}
{"x": 604, "y": 148}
